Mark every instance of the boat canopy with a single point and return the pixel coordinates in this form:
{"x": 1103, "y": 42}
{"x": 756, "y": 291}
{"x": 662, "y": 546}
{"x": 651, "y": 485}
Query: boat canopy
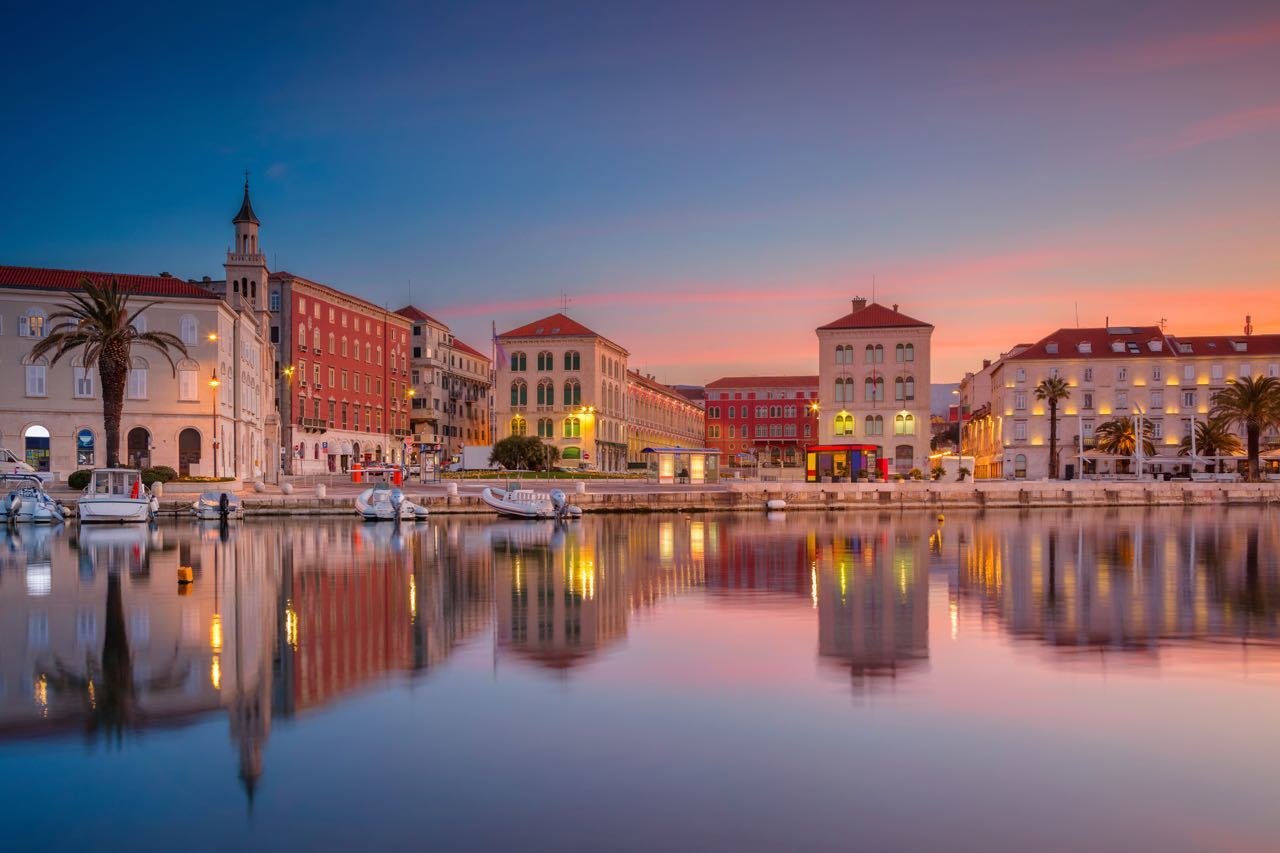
{"x": 114, "y": 481}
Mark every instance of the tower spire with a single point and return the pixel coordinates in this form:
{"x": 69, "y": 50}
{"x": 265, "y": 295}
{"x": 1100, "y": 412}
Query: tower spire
{"x": 246, "y": 213}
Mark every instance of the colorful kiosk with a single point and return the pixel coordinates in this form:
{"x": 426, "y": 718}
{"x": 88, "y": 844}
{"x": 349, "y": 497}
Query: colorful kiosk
{"x": 693, "y": 465}
{"x": 840, "y": 463}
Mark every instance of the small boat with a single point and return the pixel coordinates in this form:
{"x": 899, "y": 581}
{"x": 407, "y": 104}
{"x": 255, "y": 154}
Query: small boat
{"x": 524, "y": 503}
{"x": 116, "y": 495}
{"x": 775, "y": 505}
{"x": 215, "y": 506}
{"x": 26, "y": 501}
{"x": 385, "y": 503}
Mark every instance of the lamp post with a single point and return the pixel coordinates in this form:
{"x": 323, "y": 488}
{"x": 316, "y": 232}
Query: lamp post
{"x": 214, "y": 383}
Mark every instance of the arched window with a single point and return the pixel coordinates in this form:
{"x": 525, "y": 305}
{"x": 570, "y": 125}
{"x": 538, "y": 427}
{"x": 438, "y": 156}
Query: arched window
{"x": 844, "y": 424}
{"x": 904, "y": 425}
{"x": 302, "y": 336}
{"x": 344, "y": 346}
{"x": 879, "y": 354}
{"x": 546, "y": 428}
{"x": 909, "y": 392}
{"x": 900, "y": 353}
{"x": 546, "y": 393}
{"x": 37, "y": 370}
{"x": 368, "y": 352}
{"x": 1020, "y": 466}
{"x": 36, "y": 447}
{"x": 546, "y": 361}
{"x": 519, "y": 393}
{"x": 518, "y": 362}
{"x": 870, "y": 354}
{"x": 315, "y": 340}
{"x": 518, "y": 426}
{"x": 137, "y": 383}
{"x": 572, "y": 361}
{"x": 874, "y": 425}
{"x": 379, "y": 351}
{"x": 572, "y": 393}
{"x": 898, "y": 386}
{"x": 188, "y": 387}
{"x": 188, "y": 331}
{"x": 572, "y": 428}
{"x": 903, "y": 458}
{"x": 332, "y": 340}
{"x": 910, "y": 352}
{"x": 188, "y": 450}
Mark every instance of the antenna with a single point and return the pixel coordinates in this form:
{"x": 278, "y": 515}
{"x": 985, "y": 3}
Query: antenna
{"x": 1077, "y": 304}
{"x": 564, "y": 302}
{"x": 873, "y": 287}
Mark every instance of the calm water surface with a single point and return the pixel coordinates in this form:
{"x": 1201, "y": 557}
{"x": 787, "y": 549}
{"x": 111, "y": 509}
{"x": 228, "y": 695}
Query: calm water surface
{"x": 1044, "y": 680}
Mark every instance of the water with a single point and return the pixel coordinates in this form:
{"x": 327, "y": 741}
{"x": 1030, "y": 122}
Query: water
{"x": 1043, "y": 680}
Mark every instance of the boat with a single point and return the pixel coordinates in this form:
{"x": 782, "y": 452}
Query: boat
{"x": 26, "y": 501}
{"x": 215, "y": 506}
{"x": 386, "y": 503}
{"x": 775, "y": 504}
{"x": 524, "y": 503}
{"x": 116, "y": 495}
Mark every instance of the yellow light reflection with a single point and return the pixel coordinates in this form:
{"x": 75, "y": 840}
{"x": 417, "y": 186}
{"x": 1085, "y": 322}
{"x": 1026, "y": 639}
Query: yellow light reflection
{"x": 215, "y": 672}
{"x": 413, "y": 598}
{"x": 215, "y": 633}
{"x": 291, "y": 626}
{"x": 40, "y": 692}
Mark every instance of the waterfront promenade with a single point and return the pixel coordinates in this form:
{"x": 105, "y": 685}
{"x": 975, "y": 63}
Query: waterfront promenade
{"x": 638, "y": 496}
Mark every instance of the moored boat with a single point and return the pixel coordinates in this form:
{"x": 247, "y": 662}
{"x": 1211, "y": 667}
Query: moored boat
{"x": 214, "y": 506}
{"x": 385, "y": 503}
{"x": 26, "y": 501}
{"x": 116, "y": 495}
{"x": 525, "y": 503}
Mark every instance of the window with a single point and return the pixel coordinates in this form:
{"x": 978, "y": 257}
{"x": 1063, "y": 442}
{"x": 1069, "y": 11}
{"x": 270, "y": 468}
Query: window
{"x": 904, "y": 425}
{"x": 302, "y": 336}
{"x": 1019, "y": 430}
{"x": 572, "y": 428}
{"x": 1157, "y": 373}
{"x": 904, "y": 389}
{"x": 874, "y": 425}
{"x": 546, "y": 428}
{"x": 273, "y": 301}
{"x": 1020, "y": 375}
{"x": 546, "y": 392}
{"x": 762, "y": 411}
{"x": 188, "y": 330}
{"x": 1088, "y": 374}
{"x": 1122, "y": 374}
{"x": 1087, "y": 400}
{"x": 1157, "y": 398}
{"x": 1055, "y": 373}
{"x": 84, "y": 447}
{"x": 31, "y": 324}
{"x": 911, "y": 352}
{"x": 572, "y": 361}
{"x": 518, "y": 362}
{"x": 900, "y": 353}
{"x": 36, "y": 378}
{"x": 1157, "y": 429}
{"x": 572, "y": 393}
{"x": 762, "y": 431}
{"x": 139, "y": 324}
{"x": 1188, "y": 373}
{"x": 1122, "y": 398}
{"x": 137, "y": 384}
{"x": 332, "y": 342}
{"x": 187, "y": 379}
{"x": 519, "y": 394}
{"x": 1215, "y": 373}
{"x": 1189, "y": 399}
{"x": 844, "y": 354}
{"x": 873, "y": 389}
{"x": 732, "y": 413}
{"x": 83, "y": 377}
{"x": 1020, "y": 402}
{"x": 518, "y": 426}
{"x": 546, "y": 361}
{"x": 713, "y": 431}
{"x": 1020, "y": 466}
{"x": 844, "y": 424}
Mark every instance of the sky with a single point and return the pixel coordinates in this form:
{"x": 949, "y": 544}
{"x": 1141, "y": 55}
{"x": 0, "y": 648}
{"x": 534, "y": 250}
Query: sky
{"x": 705, "y": 183}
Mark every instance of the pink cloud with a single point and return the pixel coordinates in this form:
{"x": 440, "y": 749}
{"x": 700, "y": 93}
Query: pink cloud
{"x": 1215, "y": 129}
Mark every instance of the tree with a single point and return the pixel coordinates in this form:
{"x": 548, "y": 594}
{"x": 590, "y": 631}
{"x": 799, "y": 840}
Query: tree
{"x": 98, "y": 323}
{"x": 524, "y": 453}
{"x": 1213, "y": 438}
{"x": 1119, "y": 437}
{"x": 1251, "y": 402}
{"x": 1053, "y": 391}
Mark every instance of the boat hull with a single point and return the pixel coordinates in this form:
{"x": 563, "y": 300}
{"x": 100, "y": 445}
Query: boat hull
{"x": 114, "y": 510}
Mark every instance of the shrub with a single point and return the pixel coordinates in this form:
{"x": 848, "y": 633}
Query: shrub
{"x": 961, "y": 474}
{"x": 937, "y": 472}
{"x": 158, "y": 474}
{"x": 915, "y": 474}
{"x": 898, "y": 478}
{"x": 79, "y": 479}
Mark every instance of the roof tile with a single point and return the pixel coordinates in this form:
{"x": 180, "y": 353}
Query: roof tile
{"x": 44, "y": 278}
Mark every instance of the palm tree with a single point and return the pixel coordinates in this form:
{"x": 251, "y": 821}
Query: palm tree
{"x": 1119, "y": 437}
{"x": 1052, "y": 391}
{"x": 99, "y": 324}
{"x": 1213, "y": 438}
{"x": 1251, "y": 402}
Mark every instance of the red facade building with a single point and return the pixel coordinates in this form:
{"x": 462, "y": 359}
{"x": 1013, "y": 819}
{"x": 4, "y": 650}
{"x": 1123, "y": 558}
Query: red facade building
{"x": 762, "y": 419}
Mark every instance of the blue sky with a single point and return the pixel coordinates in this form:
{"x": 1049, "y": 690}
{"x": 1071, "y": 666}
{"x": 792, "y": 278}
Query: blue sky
{"x": 706, "y": 181}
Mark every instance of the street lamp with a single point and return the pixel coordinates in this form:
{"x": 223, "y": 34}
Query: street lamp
{"x": 214, "y": 383}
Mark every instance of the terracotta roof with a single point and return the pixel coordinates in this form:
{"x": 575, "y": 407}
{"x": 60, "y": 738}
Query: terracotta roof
{"x": 806, "y": 382}
{"x": 470, "y": 350}
{"x": 1234, "y": 345}
{"x": 654, "y": 385}
{"x": 283, "y": 275}
{"x": 691, "y": 392}
{"x": 417, "y": 315}
{"x": 42, "y": 278}
{"x": 1101, "y": 342}
{"x": 557, "y": 325}
{"x": 876, "y": 316}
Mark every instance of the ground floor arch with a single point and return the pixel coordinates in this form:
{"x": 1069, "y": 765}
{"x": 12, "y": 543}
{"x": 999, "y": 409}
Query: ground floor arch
{"x": 189, "y": 441}
{"x": 86, "y": 448}
{"x": 138, "y": 447}
{"x": 35, "y": 445}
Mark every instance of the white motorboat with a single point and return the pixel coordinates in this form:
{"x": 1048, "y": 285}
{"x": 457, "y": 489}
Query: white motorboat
{"x": 215, "y": 506}
{"x": 386, "y": 503}
{"x": 524, "y": 503}
{"x": 26, "y": 501}
{"x": 116, "y": 495}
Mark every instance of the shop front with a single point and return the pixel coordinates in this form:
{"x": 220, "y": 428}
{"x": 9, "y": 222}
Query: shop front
{"x": 692, "y": 465}
{"x": 843, "y": 463}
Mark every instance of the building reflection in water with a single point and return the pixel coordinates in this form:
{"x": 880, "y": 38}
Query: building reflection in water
{"x": 98, "y": 637}
{"x": 1126, "y": 581}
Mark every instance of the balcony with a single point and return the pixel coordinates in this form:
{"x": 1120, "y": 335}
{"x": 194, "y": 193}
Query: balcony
{"x": 313, "y": 424}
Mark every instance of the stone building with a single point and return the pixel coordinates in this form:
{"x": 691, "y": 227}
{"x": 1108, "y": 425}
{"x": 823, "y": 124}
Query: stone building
{"x": 762, "y": 420}
{"x": 658, "y": 415}
{"x": 51, "y": 414}
{"x": 565, "y": 383}
{"x": 874, "y": 377}
{"x": 451, "y": 381}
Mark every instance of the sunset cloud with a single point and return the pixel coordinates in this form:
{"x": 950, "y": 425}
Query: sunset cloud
{"x": 1215, "y": 129}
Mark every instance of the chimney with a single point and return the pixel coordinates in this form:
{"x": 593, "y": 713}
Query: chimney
{"x": 986, "y": 362}
{"x": 1248, "y": 324}
{"x": 859, "y": 303}
{"x": 895, "y": 306}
